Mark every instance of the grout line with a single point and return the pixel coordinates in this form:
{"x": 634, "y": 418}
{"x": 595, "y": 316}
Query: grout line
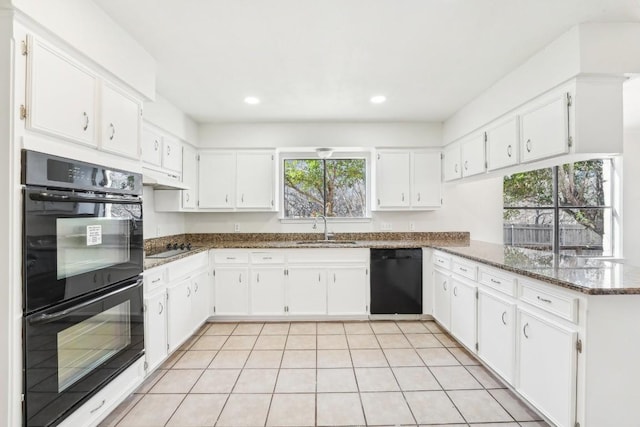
{"x": 353, "y": 367}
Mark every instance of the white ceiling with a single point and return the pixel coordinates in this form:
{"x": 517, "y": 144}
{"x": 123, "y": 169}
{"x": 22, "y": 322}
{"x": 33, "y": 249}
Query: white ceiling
{"x": 313, "y": 60}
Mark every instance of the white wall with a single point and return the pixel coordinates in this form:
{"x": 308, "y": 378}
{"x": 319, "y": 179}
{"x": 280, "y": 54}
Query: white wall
{"x": 168, "y": 117}
{"x": 158, "y": 224}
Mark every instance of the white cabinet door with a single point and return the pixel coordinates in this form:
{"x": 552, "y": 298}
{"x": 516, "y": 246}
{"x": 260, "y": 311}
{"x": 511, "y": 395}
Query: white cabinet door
{"x": 216, "y": 180}
{"x": 155, "y": 329}
{"x": 232, "y": 290}
{"x": 189, "y": 176}
{"x": 306, "y": 290}
{"x": 62, "y": 95}
{"x": 172, "y": 154}
{"x": 347, "y": 290}
{"x": 502, "y": 145}
{"x": 472, "y": 155}
{"x": 393, "y": 179}
{"x": 179, "y": 319}
{"x": 201, "y": 286}
{"x": 463, "y": 313}
{"x": 120, "y": 122}
{"x": 151, "y": 147}
{"x": 267, "y": 290}
{"x": 452, "y": 169}
{"x": 544, "y": 130}
{"x": 255, "y": 176}
{"x": 496, "y": 334}
{"x": 427, "y": 178}
{"x": 442, "y": 298}
{"x": 547, "y": 367}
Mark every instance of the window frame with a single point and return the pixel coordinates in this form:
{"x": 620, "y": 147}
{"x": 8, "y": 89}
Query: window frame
{"x": 336, "y": 155}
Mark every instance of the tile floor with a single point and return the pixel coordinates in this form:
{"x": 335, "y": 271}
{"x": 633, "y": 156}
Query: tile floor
{"x": 322, "y": 374}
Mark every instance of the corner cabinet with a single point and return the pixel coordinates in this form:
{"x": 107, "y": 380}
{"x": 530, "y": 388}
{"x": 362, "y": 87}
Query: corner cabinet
{"x": 407, "y": 180}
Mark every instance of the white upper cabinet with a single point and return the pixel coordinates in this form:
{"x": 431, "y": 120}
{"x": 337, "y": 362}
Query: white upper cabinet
{"x": 172, "y": 154}
{"x": 451, "y": 162}
{"x": 407, "y": 179}
{"x": 544, "y": 129}
{"x": 216, "y": 180}
{"x": 161, "y": 150}
{"x": 61, "y": 95}
{"x": 121, "y": 121}
{"x": 255, "y": 176}
{"x": 189, "y": 176}
{"x": 472, "y": 155}
{"x": 151, "y": 146}
{"x": 503, "y": 144}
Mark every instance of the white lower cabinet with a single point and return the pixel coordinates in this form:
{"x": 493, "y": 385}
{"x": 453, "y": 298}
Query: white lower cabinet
{"x": 201, "y": 286}
{"x": 179, "y": 323}
{"x": 347, "y": 290}
{"x": 267, "y": 290}
{"x": 306, "y": 290}
{"x": 231, "y": 290}
{"x": 442, "y": 298}
{"x": 463, "y": 312}
{"x": 155, "y": 328}
{"x": 547, "y": 366}
{"x": 496, "y": 333}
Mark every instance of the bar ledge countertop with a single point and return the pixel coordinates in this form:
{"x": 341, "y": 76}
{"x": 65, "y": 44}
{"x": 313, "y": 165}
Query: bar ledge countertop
{"x": 588, "y": 275}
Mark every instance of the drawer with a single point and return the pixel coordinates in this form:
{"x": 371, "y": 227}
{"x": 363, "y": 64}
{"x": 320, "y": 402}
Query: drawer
{"x": 560, "y": 304}
{"x": 153, "y": 278}
{"x": 497, "y": 280}
{"x": 186, "y": 266}
{"x": 231, "y": 258}
{"x": 328, "y": 256}
{"x": 267, "y": 257}
{"x": 441, "y": 260}
{"x": 464, "y": 269}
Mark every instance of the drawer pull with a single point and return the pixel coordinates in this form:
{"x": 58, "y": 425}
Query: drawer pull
{"x": 503, "y": 316}
{"x": 231, "y": 257}
{"x": 99, "y": 406}
{"x": 497, "y": 282}
{"x": 266, "y": 257}
{"x": 444, "y": 285}
{"x": 161, "y": 307}
{"x": 548, "y": 301}
{"x": 455, "y": 291}
{"x": 86, "y": 120}
{"x": 524, "y": 330}
{"x": 462, "y": 269}
{"x": 156, "y": 280}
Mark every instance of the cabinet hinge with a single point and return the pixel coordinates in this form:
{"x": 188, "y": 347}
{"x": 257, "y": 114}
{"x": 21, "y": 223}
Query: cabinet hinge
{"x": 167, "y": 347}
{"x": 272, "y": 203}
{"x": 579, "y": 346}
{"x": 144, "y": 308}
{"x": 477, "y": 292}
{"x": 198, "y": 157}
{"x": 198, "y": 203}
{"x": 441, "y": 201}
{"x": 145, "y": 365}
{"x": 378, "y": 156}
{"x": 366, "y": 308}
{"x": 485, "y": 137}
{"x": 272, "y": 157}
{"x": 441, "y": 156}
{"x": 570, "y": 141}
{"x": 23, "y": 112}
{"x": 569, "y": 100}
{"x": 22, "y": 398}
{"x": 214, "y": 272}
{"x": 214, "y": 309}
{"x": 24, "y": 48}
{"x": 366, "y": 271}
{"x": 476, "y": 346}
{"x": 577, "y": 424}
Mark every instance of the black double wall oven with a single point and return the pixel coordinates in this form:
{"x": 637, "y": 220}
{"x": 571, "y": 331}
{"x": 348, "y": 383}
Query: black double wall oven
{"x": 82, "y": 288}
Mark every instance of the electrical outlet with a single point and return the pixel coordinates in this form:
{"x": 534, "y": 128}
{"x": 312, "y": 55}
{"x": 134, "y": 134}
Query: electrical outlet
{"x": 412, "y": 226}
{"x": 157, "y": 230}
{"x": 236, "y": 227}
{"x": 385, "y": 226}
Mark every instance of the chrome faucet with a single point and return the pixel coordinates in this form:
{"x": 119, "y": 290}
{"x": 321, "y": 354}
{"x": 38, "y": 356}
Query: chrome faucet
{"x": 315, "y": 225}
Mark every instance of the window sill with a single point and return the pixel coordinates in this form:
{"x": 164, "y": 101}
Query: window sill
{"x": 329, "y": 220}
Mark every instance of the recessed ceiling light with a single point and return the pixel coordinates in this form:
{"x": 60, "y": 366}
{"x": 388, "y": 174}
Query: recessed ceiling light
{"x": 252, "y": 100}
{"x": 378, "y": 99}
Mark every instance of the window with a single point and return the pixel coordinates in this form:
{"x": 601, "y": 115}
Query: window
{"x": 330, "y": 187}
{"x": 567, "y": 208}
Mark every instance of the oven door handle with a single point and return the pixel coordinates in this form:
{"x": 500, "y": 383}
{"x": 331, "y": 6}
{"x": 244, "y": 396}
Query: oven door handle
{"x": 51, "y": 197}
{"x": 46, "y": 317}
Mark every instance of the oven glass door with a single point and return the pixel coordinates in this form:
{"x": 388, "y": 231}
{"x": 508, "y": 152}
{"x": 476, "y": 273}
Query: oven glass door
{"x": 77, "y": 243}
{"x": 75, "y": 349}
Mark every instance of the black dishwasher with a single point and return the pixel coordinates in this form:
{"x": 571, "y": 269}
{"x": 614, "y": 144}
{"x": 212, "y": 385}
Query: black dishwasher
{"x": 396, "y": 281}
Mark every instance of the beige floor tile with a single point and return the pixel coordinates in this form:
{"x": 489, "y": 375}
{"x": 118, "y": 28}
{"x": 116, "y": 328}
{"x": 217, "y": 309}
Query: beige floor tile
{"x": 256, "y": 381}
{"x": 188, "y": 342}
{"x": 275, "y": 329}
{"x": 220, "y": 328}
{"x": 177, "y": 381}
{"x": 496, "y": 425}
{"x": 150, "y": 381}
{"x": 332, "y": 342}
{"x": 430, "y": 407}
{"x": 330, "y": 328}
{"x": 336, "y": 380}
{"x": 464, "y": 356}
{"x": 433, "y": 327}
{"x": 171, "y": 360}
{"x": 292, "y": 410}
{"x": 357, "y": 328}
{"x": 216, "y": 381}
{"x": 334, "y": 359}
{"x": 393, "y": 341}
{"x": 339, "y": 409}
{"x": 296, "y": 381}
{"x": 198, "y": 410}
{"x": 424, "y": 341}
{"x": 270, "y": 342}
{"x": 195, "y": 359}
{"x": 437, "y": 357}
{"x": 264, "y": 359}
{"x": 385, "y": 328}
{"x": 386, "y": 408}
{"x": 448, "y": 425}
{"x": 514, "y": 406}
{"x": 403, "y": 357}
{"x": 245, "y": 410}
{"x": 362, "y": 341}
{"x": 447, "y": 340}
{"x": 534, "y": 424}
{"x": 152, "y": 410}
{"x": 302, "y": 328}
{"x": 209, "y": 342}
{"x": 376, "y": 379}
{"x": 412, "y": 327}
{"x": 299, "y": 359}
{"x": 248, "y": 329}
{"x": 229, "y": 359}
{"x": 486, "y": 378}
{"x": 241, "y": 342}
{"x": 121, "y": 411}
{"x": 478, "y": 406}
{"x": 455, "y": 378}
{"x": 416, "y": 379}
{"x": 368, "y": 358}
{"x": 301, "y": 342}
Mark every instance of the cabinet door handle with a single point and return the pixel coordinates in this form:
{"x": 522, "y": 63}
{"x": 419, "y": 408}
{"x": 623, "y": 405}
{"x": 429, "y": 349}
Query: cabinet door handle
{"x": 113, "y": 131}
{"x": 258, "y": 277}
{"x": 156, "y": 145}
{"x": 161, "y": 307}
{"x": 509, "y": 151}
{"x": 188, "y": 291}
{"x": 226, "y": 198}
{"x": 524, "y": 330}
{"x": 86, "y": 120}
{"x": 444, "y": 285}
{"x": 334, "y": 277}
{"x": 455, "y": 168}
{"x": 99, "y": 406}
{"x": 240, "y": 278}
{"x": 548, "y": 301}
{"x": 455, "y": 291}
{"x": 187, "y": 197}
{"x": 466, "y": 165}
{"x": 528, "y": 145}
{"x": 242, "y": 198}
{"x": 318, "y": 277}
{"x": 378, "y": 202}
{"x": 503, "y": 318}
{"x": 418, "y": 196}
{"x": 403, "y": 197}
{"x": 195, "y": 287}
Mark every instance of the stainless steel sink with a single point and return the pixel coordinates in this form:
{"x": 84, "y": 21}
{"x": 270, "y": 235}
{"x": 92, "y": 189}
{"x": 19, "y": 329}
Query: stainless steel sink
{"x": 326, "y": 242}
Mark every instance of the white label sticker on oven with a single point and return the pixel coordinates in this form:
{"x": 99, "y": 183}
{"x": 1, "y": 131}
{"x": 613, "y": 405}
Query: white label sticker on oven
{"x": 94, "y": 235}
